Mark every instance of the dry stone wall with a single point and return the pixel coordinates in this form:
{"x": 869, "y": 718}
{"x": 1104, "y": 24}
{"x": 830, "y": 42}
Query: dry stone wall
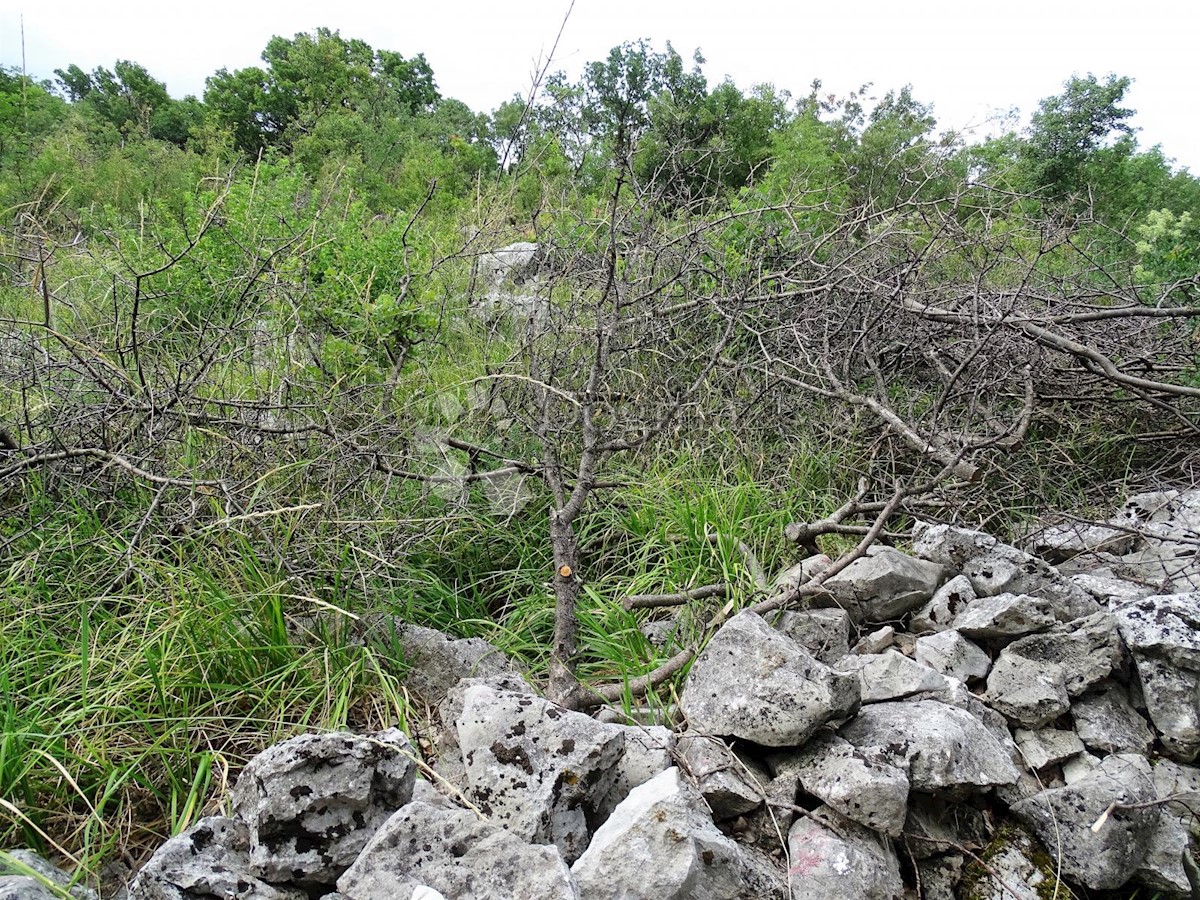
{"x": 1038, "y": 710}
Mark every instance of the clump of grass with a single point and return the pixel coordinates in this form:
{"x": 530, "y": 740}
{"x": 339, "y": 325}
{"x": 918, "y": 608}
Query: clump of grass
{"x": 124, "y": 715}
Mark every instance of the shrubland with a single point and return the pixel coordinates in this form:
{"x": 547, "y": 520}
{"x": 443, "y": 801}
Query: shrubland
{"x": 263, "y": 375}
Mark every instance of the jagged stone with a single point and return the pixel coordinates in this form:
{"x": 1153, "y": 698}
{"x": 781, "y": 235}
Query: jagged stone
{"x": 1046, "y": 746}
{"x": 435, "y": 660}
{"x": 872, "y": 793}
{"x": 882, "y": 585}
{"x": 1088, "y": 650}
{"x": 661, "y": 843}
{"x": 210, "y": 859}
{"x": 825, "y": 633}
{"x": 455, "y": 853}
{"x": 935, "y": 825}
{"x": 754, "y": 683}
{"x": 1063, "y": 819}
{"x": 940, "y": 876}
{"x": 805, "y": 570}
{"x": 951, "y": 654}
{"x": 535, "y": 769}
{"x": 890, "y": 676}
{"x": 1011, "y": 872}
{"x": 1110, "y": 590}
{"x": 1030, "y": 693}
{"x": 938, "y": 745}
{"x": 1163, "y": 637}
{"x": 312, "y": 802}
{"x": 1004, "y": 616}
{"x": 725, "y": 782}
{"x": 1107, "y": 722}
{"x": 840, "y": 859}
{"x": 1079, "y": 767}
{"x": 947, "y": 602}
{"x": 994, "y": 568}
{"x": 1168, "y": 527}
{"x": 649, "y": 749}
{"x": 1162, "y": 868}
{"x": 507, "y": 264}
{"x": 450, "y": 760}
{"x": 1056, "y": 543}
{"x": 16, "y": 884}
{"x": 876, "y": 641}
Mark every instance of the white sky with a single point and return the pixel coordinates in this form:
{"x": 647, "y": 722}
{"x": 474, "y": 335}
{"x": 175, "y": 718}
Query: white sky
{"x": 970, "y": 59}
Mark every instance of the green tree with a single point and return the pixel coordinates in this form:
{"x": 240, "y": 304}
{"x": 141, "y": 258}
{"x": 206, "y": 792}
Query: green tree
{"x": 1069, "y": 128}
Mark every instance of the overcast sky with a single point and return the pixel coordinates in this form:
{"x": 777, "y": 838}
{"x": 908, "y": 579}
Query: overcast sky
{"x": 971, "y": 60}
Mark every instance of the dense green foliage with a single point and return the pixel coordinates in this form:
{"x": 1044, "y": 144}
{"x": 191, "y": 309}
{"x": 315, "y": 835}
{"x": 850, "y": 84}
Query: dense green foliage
{"x": 251, "y": 393}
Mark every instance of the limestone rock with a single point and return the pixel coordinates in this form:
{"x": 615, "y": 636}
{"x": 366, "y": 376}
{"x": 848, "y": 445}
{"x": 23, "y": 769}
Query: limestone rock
{"x": 875, "y": 642}
{"x": 1004, "y": 616}
{"x": 436, "y": 661}
{"x": 535, "y": 769}
{"x": 1063, "y": 818}
{"x": 946, "y": 603}
{"x": 890, "y": 676}
{"x": 507, "y": 264}
{"x": 872, "y": 793}
{"x": 1172, "y": 697}
{"x": 754, "y": 683}
{"x": 660, "y": 842}
{"x": 938, "y": 745}
{"x": 450, "y": 761}
{"x": 14, "y": 885}
{"x": 1011, "y": 873}
{"x": 1027, "y": 692}
{"x": 1110, "y": 590}
{"x": 725, "y": 782}
{"x": 882, "y": 585}
{"x": 649, "y": 749}
{"x": 839, "y": 860}
{"x": 951, "y": 654}
{"x": 455, "y": 853}
{"x": 824, "y": 633}
{"x": 1166, "y": 626}
{"x": 210, "y": 859}
{"x": 1046, "y": 746}
{"x": 1065, "y": 540}
{"x": 312, "y": 802}
{"x": 1163, "y": 867}
{"x": 1107, "y": 722}
{"x": 1088, "y": 650}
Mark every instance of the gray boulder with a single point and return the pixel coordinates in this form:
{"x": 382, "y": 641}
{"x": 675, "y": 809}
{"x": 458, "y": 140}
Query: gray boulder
{"x": 1011, "y": 873}
{"x": 882, "y": 585}
{"x": 436, "y": 661}
{"x": 939, "y": 746}
{"x": 509, "y": 264}
{"x": 16, "y": 882}
{"x": 729, "y": 786}
{"x": 210, "y": 859}
{"x": 660, "y": 842}
{"x": 450, "y": 760}
{"x": 1060, "y": 542}
{"x": 312, "y": 802}
{"x": 1088, "y": 650}
{"x": 1004, "y": 616}
{"x": 946, "y": 603}
{"x": 875, "y": 642}
{"x": 457, "y": 854}
{"x": 535, "y": 769}
{"x": 1162, "y": 869}
{"x": 870, "y": 792}
{"x": 1064, "y": 819}
{"x": 649, "y": 749}
{"x": 890, "y": 676}
{"x": 1110, "y": 590}
{"x": 754, "y": 683}
{"x": 1168, "y": 527}
{"x": 1027, "y": 692}
{"x": 1162, "y": 636}
{"x": 824, "y": 633}
{"x": 831, "y": 858}
{"x": 951, "y": 654}
{"x": 995, "y": 568}
{"x": 1046, "y": 746}
{"x": 1107, "y": 722}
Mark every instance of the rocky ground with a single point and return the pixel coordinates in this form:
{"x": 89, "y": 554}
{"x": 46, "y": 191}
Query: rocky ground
{"x": 968, "y": 719}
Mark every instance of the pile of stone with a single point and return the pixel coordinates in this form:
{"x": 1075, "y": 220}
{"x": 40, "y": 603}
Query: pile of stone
{"x": 964, "y": 719}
